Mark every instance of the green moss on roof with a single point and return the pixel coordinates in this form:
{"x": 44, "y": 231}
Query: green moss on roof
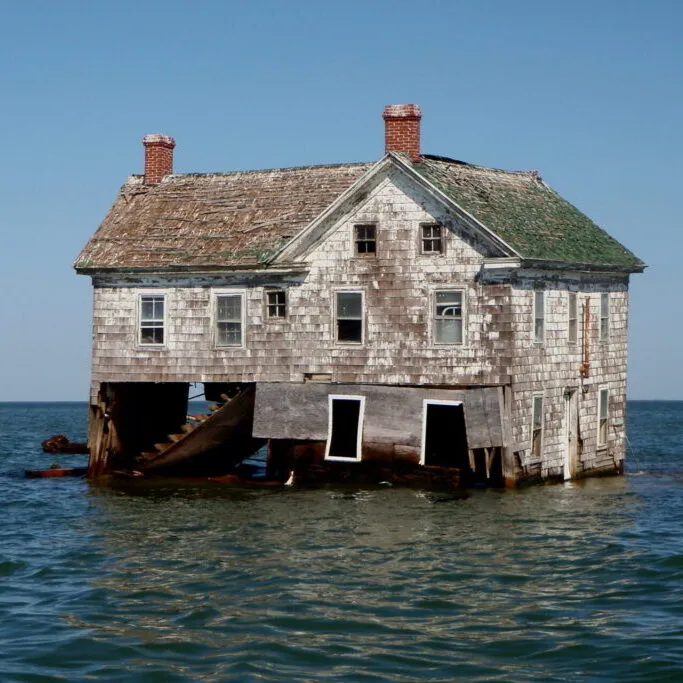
{"x": 527, "y": 214}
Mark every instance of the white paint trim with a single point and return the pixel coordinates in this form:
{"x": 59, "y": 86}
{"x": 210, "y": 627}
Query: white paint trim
{"x": 363, "y": 329}
{"x": 432, "y": 317}
{"x": 215, "y": 293}
{"x": 425, "y": 403}
{"x": 359, "y": 440}
{"x": 138, "y": 334}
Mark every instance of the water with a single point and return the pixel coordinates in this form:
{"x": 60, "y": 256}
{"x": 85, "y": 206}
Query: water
{"x": 577, "y": 582}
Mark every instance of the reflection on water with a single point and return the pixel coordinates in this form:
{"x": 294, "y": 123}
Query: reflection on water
{"x": 171, "y": 582}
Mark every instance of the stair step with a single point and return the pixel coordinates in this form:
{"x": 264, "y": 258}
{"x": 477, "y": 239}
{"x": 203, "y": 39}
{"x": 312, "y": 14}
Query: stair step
{"x": 147, "y": 456}
{"x": 215, "y": 406}
{"x": 175, "y": 437}
{"x": 161, "y": 447}
{"x": 187, "y": 428}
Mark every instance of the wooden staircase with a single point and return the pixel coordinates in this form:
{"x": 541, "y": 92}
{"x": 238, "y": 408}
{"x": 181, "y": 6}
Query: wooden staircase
{"x": 226, "y": 421}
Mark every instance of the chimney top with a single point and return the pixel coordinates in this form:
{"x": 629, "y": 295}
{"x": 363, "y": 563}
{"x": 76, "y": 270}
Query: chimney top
{"x": 158, "y": 157}
{"x": 402, "y": 129}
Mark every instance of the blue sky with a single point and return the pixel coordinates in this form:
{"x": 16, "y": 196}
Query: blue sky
{"x": 588, "y": 93}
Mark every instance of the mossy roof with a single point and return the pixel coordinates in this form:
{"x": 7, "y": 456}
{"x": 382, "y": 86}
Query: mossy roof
{"x": 526, "y": 213}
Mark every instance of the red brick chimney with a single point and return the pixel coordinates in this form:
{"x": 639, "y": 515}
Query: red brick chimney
{"x": 402, "y": 129}
{"x": 158, "y": 157}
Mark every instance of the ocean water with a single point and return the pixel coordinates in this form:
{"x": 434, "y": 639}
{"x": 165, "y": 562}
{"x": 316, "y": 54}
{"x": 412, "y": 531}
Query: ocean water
{"x": 568, "y": 582}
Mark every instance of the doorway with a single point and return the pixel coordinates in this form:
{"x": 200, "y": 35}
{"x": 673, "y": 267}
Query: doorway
{"x": 345, "y": 427}
{"x": 571, "y": 401}
{"x": 444, "y": 439}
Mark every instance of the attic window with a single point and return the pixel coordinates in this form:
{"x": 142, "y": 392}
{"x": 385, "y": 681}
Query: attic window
{"x": 366, "y": 239}
{"x": 432, "y": 240}
{"x": 276, "y": 304}
{"x": 152, "y": 319}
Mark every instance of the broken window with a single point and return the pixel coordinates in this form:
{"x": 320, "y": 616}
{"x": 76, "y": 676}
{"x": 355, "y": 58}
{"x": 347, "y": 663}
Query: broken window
{"x": 573, "y": 319}
{"x": 229, "y": 320}
{"x": 448, "y": 317}
{"x": 366, "y": 239}
{"x": 603, "y": 417}
{"x": 276, "y": 304}
{"x": 432, "y": 241}
{"x": 152, "y": 319}
{"x": 539, "y": 316}
{"x": 604, "y": 316}
{"x": 537, "y": 427}
{"x": 350, "y": 317}
{"x": 345, "y": 427}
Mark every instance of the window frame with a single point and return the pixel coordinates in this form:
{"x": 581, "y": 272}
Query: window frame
{"x": 537, "y": 398}
{"x": 357, "y": 240}
{"x": 359, "y": 438}
{"x": 604, "y": 316}
{"x": 268, "y": 305}
{"x": 216, "y": 295}
{"x": 573, "y": 338}
{"x": 426, "y": 402}
{"x": 434, "y": 318}
{"x": 335, "y": 318}
{"x": 164, "y": 320}
{"x": 440, "y": 238}
{"x": 539, "y": 293}
{"x": 603, "y": 434}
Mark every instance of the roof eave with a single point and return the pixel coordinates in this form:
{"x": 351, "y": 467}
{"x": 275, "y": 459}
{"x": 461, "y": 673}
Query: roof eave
{"x": 547, "y": 264}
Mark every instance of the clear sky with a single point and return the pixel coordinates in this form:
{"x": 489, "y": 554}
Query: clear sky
{"x": 587, "y": 92}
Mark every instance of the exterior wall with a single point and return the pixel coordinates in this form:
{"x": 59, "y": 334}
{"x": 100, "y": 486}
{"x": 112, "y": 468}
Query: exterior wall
{"x": 553, "y": 367}
{"x": 398, "y": 285}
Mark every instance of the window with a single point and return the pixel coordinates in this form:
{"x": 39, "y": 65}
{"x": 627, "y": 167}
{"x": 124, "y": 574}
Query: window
{"x": 537, "y": 427}
{"x": 604, "y": 316}
{"x": 366, "y": 239}
{"x": 276, "y": 304}
{"x": 350, "y": 317}
{"x": 152, "y": 319}
{"x": 448, "y": 317}
{"x": 432, "y": 241}
{"x": 539, "y": 316}
{"x": 573, "y": 334}
{"x": 345, "y": 428}
{"x": 603, "y": 417}
{"x": 229, "y": 320}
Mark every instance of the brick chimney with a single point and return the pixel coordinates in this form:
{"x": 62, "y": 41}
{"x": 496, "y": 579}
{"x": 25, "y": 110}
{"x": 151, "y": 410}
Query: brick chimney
{"x": 158, "y": 157}
{"x": 402, "y": 129}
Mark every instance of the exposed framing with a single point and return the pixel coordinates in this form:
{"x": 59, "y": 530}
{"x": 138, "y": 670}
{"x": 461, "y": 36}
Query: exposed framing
{"x": 359, "y": 439}
{"x": 148, "y": 294}
{"x": 335, "y": 327}
{"x": 215, "y": 295}
{"x": 426, "y": 402}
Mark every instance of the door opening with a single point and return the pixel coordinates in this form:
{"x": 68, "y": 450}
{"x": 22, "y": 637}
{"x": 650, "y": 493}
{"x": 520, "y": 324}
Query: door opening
{"x": 444, "y": 439}
{"x": 571, "y": 399}
{"x": 345, "y": 428}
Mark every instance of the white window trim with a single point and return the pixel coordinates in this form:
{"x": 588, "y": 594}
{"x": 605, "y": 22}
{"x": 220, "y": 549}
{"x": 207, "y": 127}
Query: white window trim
{"x": 215, "y": 293}
{"x": 361, "y": 418}
{"x": 431, "y": 402}
{"x": 531, "y": 435}
{"x": 149, "y": 293}
{"x": 432, "y": 318}
{"x": 601, "y": 445}
{"x": 605, "y": 296}
{"x": 363, "y": 328}
{"x": 541, "y": 341}
{"x": 569, "y": 318}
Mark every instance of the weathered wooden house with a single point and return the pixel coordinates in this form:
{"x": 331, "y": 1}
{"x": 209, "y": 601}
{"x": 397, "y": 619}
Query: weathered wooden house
{"x": 367, "y": 321}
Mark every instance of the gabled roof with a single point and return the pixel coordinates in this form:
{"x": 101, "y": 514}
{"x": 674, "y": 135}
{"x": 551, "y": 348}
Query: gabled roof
{"x": 212, "y": 220}
{"x": 244, "y": 219}
{"x": 526, "y": 213}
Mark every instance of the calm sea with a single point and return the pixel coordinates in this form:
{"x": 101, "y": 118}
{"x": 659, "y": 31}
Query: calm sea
{"x": 577, "y": 582}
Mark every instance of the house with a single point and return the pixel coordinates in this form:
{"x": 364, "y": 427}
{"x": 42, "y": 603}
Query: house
{"x": 365, "y": 321}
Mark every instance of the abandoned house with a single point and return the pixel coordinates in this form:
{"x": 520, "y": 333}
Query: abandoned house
{"x": 414, "y": 319}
